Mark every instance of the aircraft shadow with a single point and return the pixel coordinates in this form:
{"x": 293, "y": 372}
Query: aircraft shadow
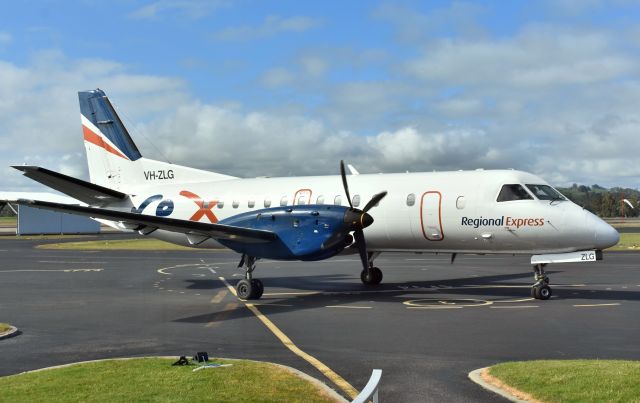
{"x": 342, "y": 290}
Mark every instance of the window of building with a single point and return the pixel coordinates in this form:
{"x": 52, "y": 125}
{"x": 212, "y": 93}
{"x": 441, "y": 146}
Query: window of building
{"x": 513, "y": 192}
{"x": 411, "y": 199}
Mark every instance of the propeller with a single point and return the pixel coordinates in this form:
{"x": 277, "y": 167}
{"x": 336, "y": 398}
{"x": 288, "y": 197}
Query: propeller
{"x": 359, "y": 219}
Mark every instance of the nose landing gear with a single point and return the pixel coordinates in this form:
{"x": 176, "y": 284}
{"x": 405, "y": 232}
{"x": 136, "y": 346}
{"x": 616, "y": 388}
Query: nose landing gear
{"x": 540, "y": 289}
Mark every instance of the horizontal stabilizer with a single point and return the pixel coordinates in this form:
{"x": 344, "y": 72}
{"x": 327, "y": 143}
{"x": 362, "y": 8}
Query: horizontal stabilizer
{"x": 77, "y": 188}
{"x": 141, "y": 222}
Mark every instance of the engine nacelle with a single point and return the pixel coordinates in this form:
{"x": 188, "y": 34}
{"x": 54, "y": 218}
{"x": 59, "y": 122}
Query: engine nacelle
{"x": 306, "y": 232}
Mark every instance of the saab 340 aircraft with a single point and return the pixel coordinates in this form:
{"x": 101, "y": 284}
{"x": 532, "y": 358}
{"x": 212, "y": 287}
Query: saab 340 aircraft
{"x": 317, "y": 217}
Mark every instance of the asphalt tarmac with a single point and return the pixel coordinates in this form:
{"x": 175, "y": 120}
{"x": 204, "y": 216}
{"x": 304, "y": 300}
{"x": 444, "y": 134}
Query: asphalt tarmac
{"x": 426, "y": 326}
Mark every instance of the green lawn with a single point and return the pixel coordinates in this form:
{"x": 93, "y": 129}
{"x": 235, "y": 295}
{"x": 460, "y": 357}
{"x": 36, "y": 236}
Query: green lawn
{"x": 573, "y": 380}
{"x": 155, "y": 380}
{"x": 118, "y": 244}
{"x": 628, "y": 241}
{"x": 8, "y": 221}
{"x": 4, "y": 327}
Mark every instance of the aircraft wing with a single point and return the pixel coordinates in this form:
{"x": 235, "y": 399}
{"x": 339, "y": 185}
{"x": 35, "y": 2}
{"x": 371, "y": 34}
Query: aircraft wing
{"x": 78, "y": 189}
{"x": 147, "y": 223}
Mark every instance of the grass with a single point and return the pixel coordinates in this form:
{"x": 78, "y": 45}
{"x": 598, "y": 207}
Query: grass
{"x": 573, "y": 380}
{"x": 117, "y": 244}
{"x": 8, "y": 221}
{"x": 154, "y": 379}
{"x": 628, "y": 241}
{"x": 4, "y": 327}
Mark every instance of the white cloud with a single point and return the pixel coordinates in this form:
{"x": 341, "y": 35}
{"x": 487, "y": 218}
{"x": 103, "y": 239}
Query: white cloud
{"x": 5, "y": 38}
{"x": 187, "y": 8}
{"x": 538, "y": 56}
{"x": 277, "y": 77}
{"x": 271, "y": 26}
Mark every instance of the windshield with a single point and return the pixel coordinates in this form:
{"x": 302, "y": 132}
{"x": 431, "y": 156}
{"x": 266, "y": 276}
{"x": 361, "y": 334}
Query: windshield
{"x": 545, "y": 192}
{"x": 513, "y": 192}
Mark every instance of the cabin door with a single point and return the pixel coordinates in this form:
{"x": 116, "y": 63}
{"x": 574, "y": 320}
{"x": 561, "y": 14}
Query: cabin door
{"x": 431, "y": 216}
{"x": 302, "y": 196}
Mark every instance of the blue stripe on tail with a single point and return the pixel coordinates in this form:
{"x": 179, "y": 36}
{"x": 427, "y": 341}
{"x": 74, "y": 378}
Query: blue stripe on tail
{"x": 95, "y": 106}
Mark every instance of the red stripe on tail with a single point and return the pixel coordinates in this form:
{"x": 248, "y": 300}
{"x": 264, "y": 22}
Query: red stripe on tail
{"x": 93, "y": 138}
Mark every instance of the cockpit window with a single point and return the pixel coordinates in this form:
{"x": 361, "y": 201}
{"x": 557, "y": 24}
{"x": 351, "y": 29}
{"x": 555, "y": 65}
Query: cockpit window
{"x": 545, "y": 192}
{"x": 513, "y": 192}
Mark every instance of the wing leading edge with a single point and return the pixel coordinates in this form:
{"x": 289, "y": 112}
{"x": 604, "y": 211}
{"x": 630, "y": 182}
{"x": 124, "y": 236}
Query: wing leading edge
{"x": 146, "y": 224}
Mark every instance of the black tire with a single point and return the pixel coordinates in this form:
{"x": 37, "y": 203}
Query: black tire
{"x": 258, "y": 288}
{"x": 377, "y": 276}
{"x": 371, "y": 277}
{"x": 245, "y": 289}
{"x": 534, "y": 292}
{"x": 544, "y": 292}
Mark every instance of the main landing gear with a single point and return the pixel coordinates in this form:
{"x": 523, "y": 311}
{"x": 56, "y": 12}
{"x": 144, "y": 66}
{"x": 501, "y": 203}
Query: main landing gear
{"x": 372, "y": 275}
{"x": 540, "y": 289}
{"x": 249, "y": 288}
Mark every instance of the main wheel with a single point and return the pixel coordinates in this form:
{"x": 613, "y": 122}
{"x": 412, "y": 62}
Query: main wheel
{"x": 544, "y": 292}
{"x": 258, "y": 289}
{"x": 245, "y": 289}
{"x": 377, "y": 275}
{"x": 372, "y": 276}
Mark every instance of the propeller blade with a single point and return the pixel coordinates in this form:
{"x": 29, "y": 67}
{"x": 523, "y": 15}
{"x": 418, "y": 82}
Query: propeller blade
{"x": 374, "y": 200}
{"x": 362, "y": 248}
{"x": 343, "y": 174}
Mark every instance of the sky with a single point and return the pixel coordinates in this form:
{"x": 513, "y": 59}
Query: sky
{"x": 281, "y": 88}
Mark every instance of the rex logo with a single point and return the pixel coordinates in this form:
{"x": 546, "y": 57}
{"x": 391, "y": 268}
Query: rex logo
{"x": 204, "y": 208}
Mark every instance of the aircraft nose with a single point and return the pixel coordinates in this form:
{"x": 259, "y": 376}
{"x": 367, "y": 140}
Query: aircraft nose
{"x": 605, "y": 235}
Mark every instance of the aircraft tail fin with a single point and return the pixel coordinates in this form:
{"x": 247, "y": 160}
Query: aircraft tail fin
{"x": 114, "y": 159}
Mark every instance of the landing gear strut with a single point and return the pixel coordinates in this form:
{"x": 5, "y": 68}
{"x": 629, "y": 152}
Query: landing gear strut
{"x": 249, "y": 288}
{"x": 540, "y": 289}
{"x": 373, "y": 275}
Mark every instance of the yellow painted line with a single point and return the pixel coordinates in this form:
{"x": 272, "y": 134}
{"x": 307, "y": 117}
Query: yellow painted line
{"x": 348, "y": 306}
{"x": 592, "y": 305}
{"x": 270, "y": 304}
{"x": 435, "y": 307}
{"x": 271, "y": 294}
{"x": 514, "y": 307}
{"x": 326, "y": 371}
{"x": 221, "y": 316}
{"x": 219, "y": 296}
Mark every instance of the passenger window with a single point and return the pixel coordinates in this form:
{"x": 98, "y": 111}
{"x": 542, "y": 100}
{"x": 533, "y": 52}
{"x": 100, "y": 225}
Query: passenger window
{"x": 320, "y": 200}
{"x": 411, "y": 199}
{"x": 513, "y": 192}
{"x": 355, "y": 200}
{"x": 235, "y": 204}
{"x": 267, "y": 202}
{"x": 338, "y": 200}
{"x": 283, "y": 201}
{"x": 251, "y": 203}
{"x": 460, "y": 202}
{"x": 220, "y": 204}
{"x": 545, "y": 192}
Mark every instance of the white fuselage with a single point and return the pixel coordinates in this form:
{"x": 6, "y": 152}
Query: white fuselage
{"x": 454, "y": 212}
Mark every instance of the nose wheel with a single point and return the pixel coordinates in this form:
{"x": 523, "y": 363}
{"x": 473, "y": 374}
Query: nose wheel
{"x": 373, "y": 276}
{"x": 540, "y": 289}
